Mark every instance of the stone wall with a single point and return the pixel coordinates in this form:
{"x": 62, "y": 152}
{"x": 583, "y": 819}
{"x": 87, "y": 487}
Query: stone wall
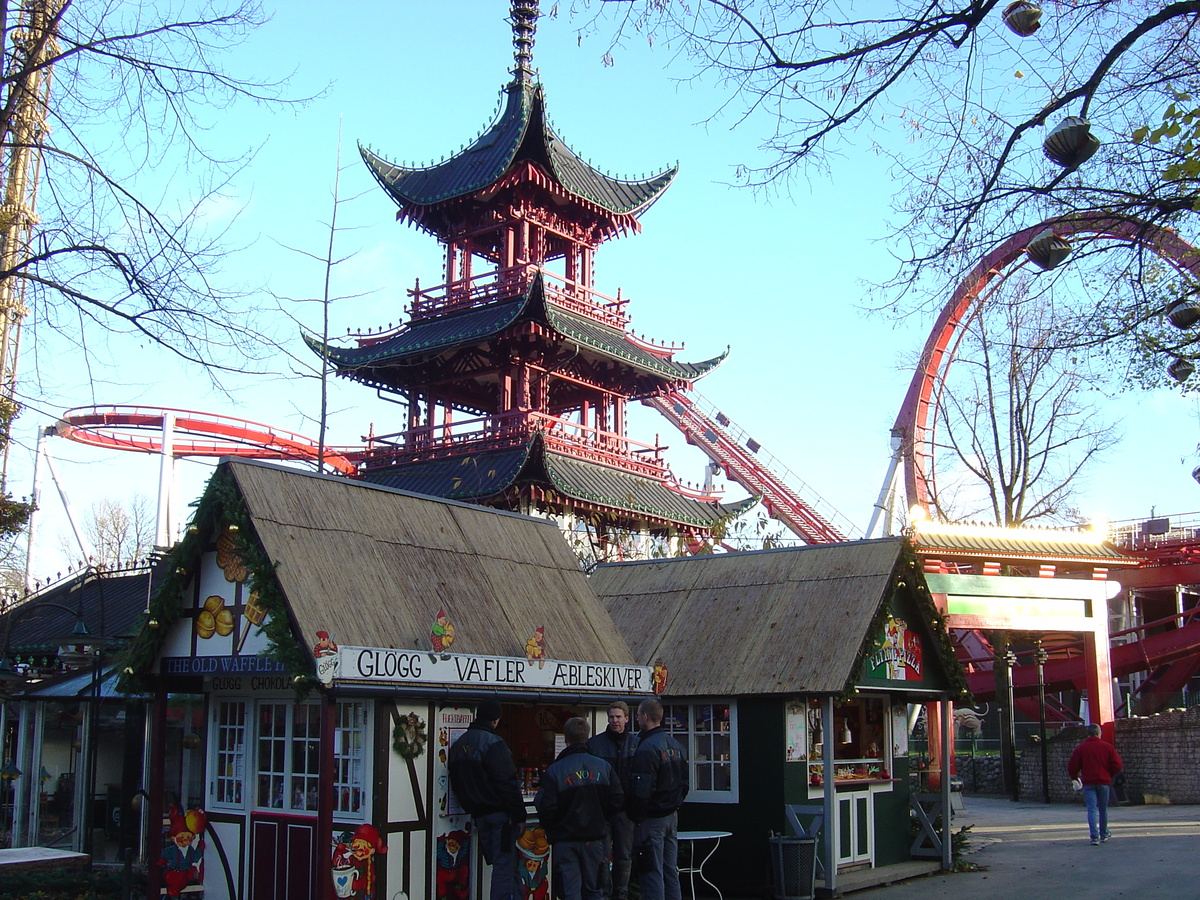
{"x": 1161, "y": 755}
{"x": 980, "y": 775}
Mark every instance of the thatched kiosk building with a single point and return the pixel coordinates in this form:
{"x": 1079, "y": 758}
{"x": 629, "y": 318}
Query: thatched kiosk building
{"x": 772, "y": 651}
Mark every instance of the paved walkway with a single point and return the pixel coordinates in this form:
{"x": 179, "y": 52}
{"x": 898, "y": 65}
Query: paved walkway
{"x": 1038, "y": 850}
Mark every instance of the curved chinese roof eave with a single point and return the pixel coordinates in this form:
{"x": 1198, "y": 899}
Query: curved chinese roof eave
{"x": 432, "y": 336}
{"x": 520, "y": 131}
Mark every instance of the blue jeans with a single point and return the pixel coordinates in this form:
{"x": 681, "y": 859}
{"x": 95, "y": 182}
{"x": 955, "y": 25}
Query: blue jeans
{"x": 1096, "y": 797}
{"x": 579, "y": 869}
{"x": 656, "y": 847}
{"x": 498, "y": 842}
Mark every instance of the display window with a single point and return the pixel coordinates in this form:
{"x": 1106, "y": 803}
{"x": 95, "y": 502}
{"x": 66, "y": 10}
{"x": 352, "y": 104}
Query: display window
{"x": 861, "y": 743}
{"x": 707, "y": 730}
{"x": 281, "y": 741}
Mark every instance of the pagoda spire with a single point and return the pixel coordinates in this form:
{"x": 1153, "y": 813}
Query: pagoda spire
{"x": 524, "y": 25}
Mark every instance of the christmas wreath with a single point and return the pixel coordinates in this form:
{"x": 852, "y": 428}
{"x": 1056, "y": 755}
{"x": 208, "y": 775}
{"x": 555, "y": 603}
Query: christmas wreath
{"x": 408, "y": 737}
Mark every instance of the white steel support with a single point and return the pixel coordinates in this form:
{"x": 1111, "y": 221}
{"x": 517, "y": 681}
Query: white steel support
{"x": 35, "y": 500}
{"x": 166, "y": 481}
{"x": 883, "y": 515}
{"x": 62, "y": 496}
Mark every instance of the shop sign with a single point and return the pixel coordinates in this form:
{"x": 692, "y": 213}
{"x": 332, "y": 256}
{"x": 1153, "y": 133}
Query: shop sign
{"x": 217, "y": 665}
{"x": 898, "y": 655}
{"x": 390, "y": 666}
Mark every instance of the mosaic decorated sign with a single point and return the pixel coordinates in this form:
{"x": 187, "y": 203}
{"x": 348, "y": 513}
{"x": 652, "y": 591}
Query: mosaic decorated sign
{"x": 898, "y": 656}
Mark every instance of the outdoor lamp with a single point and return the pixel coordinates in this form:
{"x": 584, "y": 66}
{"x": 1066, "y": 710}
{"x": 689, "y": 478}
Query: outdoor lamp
{"x": 1184, "y": 313}
{"x": 1023, "y": 17}
{"x": 1180, "y": 369}
{"x": 1048, "y": 250}
{"x": 1071, "y": 143}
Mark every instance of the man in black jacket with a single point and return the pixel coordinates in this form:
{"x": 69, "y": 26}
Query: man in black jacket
{"x": 484, "y": 779}
{"x": 616, "y": 747}
{"x": 579, "y": 794}
{"x": 660, "y": 784}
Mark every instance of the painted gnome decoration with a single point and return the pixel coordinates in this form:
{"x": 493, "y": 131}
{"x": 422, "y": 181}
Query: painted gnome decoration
{"x": 183, "y": 854}
{"x": 535, "y": 647}
{"x": 442, "y": 633}
{"x": 533, "y": 851}
{"x": 454, "y": 865}
{"x": 354, "y": 862}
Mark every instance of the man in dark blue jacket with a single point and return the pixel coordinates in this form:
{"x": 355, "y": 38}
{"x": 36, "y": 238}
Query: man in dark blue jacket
{"x": 616, "y": 747}
{"x": 660, "y": 784}
{"x": 484, "y": 779}
{"x": 578, "y": 795}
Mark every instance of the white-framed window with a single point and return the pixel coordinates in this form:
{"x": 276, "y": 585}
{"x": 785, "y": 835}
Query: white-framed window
{"x": 279, "y": 743}
{"x": 350, "y": 759}
{"x": 708, "y": 731}
{"x": 229, "y": 763}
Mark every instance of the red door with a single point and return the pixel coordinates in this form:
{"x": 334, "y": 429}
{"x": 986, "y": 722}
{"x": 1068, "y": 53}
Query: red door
{"x": 283, "y": 850}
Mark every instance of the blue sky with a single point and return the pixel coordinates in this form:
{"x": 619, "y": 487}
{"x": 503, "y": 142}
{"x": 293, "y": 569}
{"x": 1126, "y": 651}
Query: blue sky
{"x": 781, "y": 280}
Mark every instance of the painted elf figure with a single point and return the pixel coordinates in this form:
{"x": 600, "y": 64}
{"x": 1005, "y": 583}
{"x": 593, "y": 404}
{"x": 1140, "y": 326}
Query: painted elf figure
{"x": 183, "y": 855}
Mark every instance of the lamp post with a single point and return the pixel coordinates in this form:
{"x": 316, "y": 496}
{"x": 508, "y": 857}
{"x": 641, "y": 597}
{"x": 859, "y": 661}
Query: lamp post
{"x": 1039, "y": 654}
{"x": 1004, "y": 661}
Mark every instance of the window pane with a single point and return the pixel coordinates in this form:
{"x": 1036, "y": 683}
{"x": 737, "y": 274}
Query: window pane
{"x": 272, "y": 747}
{"x": 231, "y": 751}
{"x": 349, "y": 743}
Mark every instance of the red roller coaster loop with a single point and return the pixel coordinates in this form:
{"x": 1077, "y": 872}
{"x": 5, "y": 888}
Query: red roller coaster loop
{"x": 140, "y": 429}
{"x": 913, "y": 429}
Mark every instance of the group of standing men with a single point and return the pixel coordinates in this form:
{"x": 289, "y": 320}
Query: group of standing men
{"x": 612, "y": 796}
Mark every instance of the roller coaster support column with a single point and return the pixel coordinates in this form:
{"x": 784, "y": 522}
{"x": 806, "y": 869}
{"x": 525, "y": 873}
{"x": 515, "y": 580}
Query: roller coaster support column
{"x": 1098, "y": 674}
{"x": 166, "y": 478}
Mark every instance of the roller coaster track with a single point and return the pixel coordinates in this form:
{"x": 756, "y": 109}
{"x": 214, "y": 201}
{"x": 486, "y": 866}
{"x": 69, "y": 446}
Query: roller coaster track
{"x": 195, "y": 434}
{"x": 785, "y": 496}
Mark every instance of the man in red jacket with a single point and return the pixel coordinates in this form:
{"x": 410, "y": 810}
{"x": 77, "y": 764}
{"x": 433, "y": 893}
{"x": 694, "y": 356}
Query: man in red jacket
{"x": 1095, "y": 762}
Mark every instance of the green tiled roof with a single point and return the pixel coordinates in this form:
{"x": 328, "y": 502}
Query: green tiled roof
{"x": 477, "y": 476}
{"x": 633, "y": 493}
{"x": 457, "y": 478}
{"x": 521, "y": 132}
{"x": 432, "y": 336}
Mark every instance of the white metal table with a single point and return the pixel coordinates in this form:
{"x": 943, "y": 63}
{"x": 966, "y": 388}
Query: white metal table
{"x": 692, "y": 869}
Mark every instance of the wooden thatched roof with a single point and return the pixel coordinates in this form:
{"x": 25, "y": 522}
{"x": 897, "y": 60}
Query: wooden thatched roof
{"x": 771, "y": 621}
{"x": 373, "y": 565}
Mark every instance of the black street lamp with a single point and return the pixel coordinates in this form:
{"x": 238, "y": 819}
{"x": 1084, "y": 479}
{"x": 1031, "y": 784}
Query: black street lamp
{"x": 1039, "y": 654}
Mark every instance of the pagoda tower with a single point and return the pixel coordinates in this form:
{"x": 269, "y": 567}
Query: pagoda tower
{"x": 516, "y": 372}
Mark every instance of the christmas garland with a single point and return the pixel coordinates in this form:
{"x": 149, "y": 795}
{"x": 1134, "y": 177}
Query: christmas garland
{"x": 408, "y": 737}
{"x": 221, "y": 505}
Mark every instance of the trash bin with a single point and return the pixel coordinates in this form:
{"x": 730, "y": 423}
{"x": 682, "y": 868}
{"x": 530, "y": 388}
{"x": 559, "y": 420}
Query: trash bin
{"x": 793, "y": 867}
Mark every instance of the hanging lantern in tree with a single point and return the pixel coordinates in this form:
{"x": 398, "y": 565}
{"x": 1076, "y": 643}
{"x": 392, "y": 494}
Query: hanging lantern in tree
{"x": 1071, "y": 143}
{"x": 1047, "y": 250}
{"x": 1184, "y": 313}
{"x": 1023, "y": 17}
{"x": 1180, "y": 369}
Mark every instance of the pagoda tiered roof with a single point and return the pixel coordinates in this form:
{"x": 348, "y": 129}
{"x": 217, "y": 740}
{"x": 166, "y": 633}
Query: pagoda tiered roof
{"x": 521, "y": 132}
{"x": 482, "y": 476}
{"x": 410, "y": 355}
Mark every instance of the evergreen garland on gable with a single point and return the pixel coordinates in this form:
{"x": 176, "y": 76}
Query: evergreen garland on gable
{"x": 221, "y": 506}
